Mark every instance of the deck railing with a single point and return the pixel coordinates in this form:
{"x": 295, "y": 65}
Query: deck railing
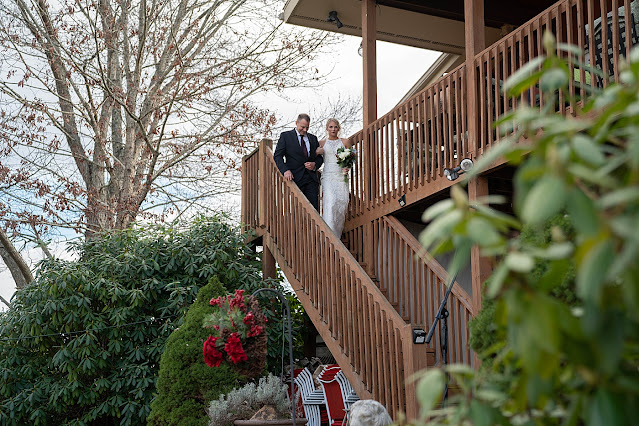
{"x": 358, "y": 324}
{"x": 600, "y": 28}
{"x": 404, "y": 153}
{"x": 409, "y": 147}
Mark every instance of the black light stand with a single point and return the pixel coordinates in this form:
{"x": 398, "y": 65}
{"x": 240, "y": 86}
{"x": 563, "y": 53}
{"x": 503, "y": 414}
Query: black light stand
{"x": 442, "y": 314}
{"x": 290, "y": 345}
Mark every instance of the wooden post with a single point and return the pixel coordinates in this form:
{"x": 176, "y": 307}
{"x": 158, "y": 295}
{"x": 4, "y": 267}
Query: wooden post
{"x": 480, "y": 268}
{"x": 475, "y": 43}
{"x": 262, "y": 182}
{"x": 369, "y": 39}
{"x": 369, "y": 54}
{"x": 268, "y": 263}
{"x": 417, "y": 358}
{"x": 244, "y": 204}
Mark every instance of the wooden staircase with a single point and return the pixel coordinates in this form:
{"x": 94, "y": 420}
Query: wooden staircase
{"x": 365, "y": 297}
{"x": 365, "y": 308}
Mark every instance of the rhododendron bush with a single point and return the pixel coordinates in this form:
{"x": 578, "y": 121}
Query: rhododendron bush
{"x": 237, "y": 334}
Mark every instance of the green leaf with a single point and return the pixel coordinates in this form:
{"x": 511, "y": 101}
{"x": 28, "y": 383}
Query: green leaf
{"x": 593, "y": 268}
{"x": 587, "y": 149}
{"x": 556, "y": 251}
{"x": 524, "y": 77}
{"x": 482, "y": 232}
{"x": 440, "y": 227}
{"x": 545, "y": 199}
{"x": 519, "y": 262}
{"x": 582, "y": 212}
{"x": 553, "y": 79}
{"x": 438, "y": 209}
{"x": 430, "y": 389}
{"x": 575, "y": 50}
{"x": 621, "y": 196}
{"x": 496, "y": 280}
{"x": 605, "y": 409}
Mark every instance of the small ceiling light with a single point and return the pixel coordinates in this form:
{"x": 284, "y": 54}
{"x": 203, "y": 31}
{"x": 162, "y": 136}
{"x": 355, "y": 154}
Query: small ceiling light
{"x": 465, "y": 165}
{"x": 332, "y": 17}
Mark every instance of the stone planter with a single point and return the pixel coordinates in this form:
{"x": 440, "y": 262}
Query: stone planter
{"x": 283, "y": 422}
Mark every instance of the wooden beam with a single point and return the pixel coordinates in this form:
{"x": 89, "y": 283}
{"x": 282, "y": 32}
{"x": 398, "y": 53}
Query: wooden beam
{"x": 475, "y": 43}
{"x": 369, "y": 39}
{"x": 480, "y": 267}
{"x": 268, "y": 263}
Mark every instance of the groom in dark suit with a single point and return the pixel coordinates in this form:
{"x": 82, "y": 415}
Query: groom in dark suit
{"x": 296, "y": 159}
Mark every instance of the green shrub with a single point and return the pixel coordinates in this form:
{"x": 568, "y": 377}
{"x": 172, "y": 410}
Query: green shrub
{"x": 82, "y": 344}
{"x": 186, "y": 384}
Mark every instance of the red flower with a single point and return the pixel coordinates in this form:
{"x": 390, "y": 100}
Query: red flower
{"x": 212, "y": 356}
{"x": 233, "y": 348}
{"x": 256, "y": 330}
{"x": 238, "y": 300}
{"x": 248, "y": 319}
{"x": 216, "y": 302}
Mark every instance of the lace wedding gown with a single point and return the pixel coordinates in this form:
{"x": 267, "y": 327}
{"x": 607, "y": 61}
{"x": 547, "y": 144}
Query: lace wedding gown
{"x": 334, "y": 189}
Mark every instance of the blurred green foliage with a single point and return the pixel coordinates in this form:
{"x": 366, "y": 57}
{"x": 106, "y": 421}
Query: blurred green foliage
{"x": 559, "y": 359}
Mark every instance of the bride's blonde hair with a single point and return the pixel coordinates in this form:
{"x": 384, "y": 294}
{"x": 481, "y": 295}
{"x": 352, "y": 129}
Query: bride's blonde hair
{"x": 334, "y": 120}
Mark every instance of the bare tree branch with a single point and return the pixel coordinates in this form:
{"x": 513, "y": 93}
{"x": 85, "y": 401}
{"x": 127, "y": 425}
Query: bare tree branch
{"x": 5, "y": 302}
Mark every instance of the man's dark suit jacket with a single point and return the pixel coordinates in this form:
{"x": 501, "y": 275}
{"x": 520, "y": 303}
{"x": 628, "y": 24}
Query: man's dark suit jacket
{"x": 288, "y": 146}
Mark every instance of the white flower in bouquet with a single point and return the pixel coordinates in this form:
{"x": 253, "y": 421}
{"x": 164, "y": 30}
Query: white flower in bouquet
{"x": 345, "y": 159}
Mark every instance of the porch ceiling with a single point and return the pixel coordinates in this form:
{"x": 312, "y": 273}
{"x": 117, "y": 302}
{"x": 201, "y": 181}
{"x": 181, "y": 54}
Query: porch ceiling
{"x": 430, "y": 24}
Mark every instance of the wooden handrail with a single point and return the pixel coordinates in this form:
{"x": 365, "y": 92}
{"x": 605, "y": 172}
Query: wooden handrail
{"x": 358, "y": 324}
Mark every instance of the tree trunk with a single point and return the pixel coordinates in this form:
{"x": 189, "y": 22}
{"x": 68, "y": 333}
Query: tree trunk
{"x": 17, "y": 266}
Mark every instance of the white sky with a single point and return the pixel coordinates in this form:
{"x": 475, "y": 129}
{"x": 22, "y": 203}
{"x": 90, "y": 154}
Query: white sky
{"x": 398, "y": 68}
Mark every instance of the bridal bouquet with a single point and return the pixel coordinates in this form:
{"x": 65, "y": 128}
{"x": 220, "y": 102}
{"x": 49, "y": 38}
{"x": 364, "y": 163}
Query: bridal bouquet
{"x": 345, "y": 159}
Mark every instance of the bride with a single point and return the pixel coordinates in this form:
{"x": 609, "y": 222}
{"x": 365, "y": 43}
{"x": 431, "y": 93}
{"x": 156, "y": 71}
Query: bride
{"x": 334, "y": 189}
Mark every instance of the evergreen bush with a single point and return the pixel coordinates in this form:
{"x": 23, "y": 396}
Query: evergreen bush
{"x": 186, "y": 384}
{"x": 486, "y": 337}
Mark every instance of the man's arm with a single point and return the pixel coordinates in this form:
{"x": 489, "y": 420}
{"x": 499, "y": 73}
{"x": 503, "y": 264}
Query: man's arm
{"x": 319, "y": 159}
{"x": 279, "y": 153}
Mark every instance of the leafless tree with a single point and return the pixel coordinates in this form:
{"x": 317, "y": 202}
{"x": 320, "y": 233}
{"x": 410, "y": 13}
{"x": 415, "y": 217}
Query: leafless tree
{"x": 118, "y": 110}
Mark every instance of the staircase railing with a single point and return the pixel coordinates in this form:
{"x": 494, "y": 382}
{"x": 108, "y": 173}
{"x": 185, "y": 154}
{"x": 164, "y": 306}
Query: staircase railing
{"x": 413, "y": 282}
{"x": 358, "y": 324}
{"x": 250, "y": 190}
{"x": 422, "y": 282}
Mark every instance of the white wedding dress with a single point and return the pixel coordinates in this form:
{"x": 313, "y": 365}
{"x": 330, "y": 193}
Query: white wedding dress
{"x": 334, "y": 189}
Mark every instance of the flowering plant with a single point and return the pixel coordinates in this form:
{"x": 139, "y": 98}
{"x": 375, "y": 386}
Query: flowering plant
{"x": 345, "y": 159}
{"x": 237, "y": 334}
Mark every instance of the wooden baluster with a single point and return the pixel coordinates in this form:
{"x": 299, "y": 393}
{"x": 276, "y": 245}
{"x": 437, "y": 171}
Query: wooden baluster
{"x": 615, "y": 38}
{"x": 628, "y": 27}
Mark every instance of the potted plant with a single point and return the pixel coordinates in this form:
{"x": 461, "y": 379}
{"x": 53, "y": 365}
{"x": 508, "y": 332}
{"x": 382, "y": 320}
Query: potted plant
{"x": 261, "y": 404}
